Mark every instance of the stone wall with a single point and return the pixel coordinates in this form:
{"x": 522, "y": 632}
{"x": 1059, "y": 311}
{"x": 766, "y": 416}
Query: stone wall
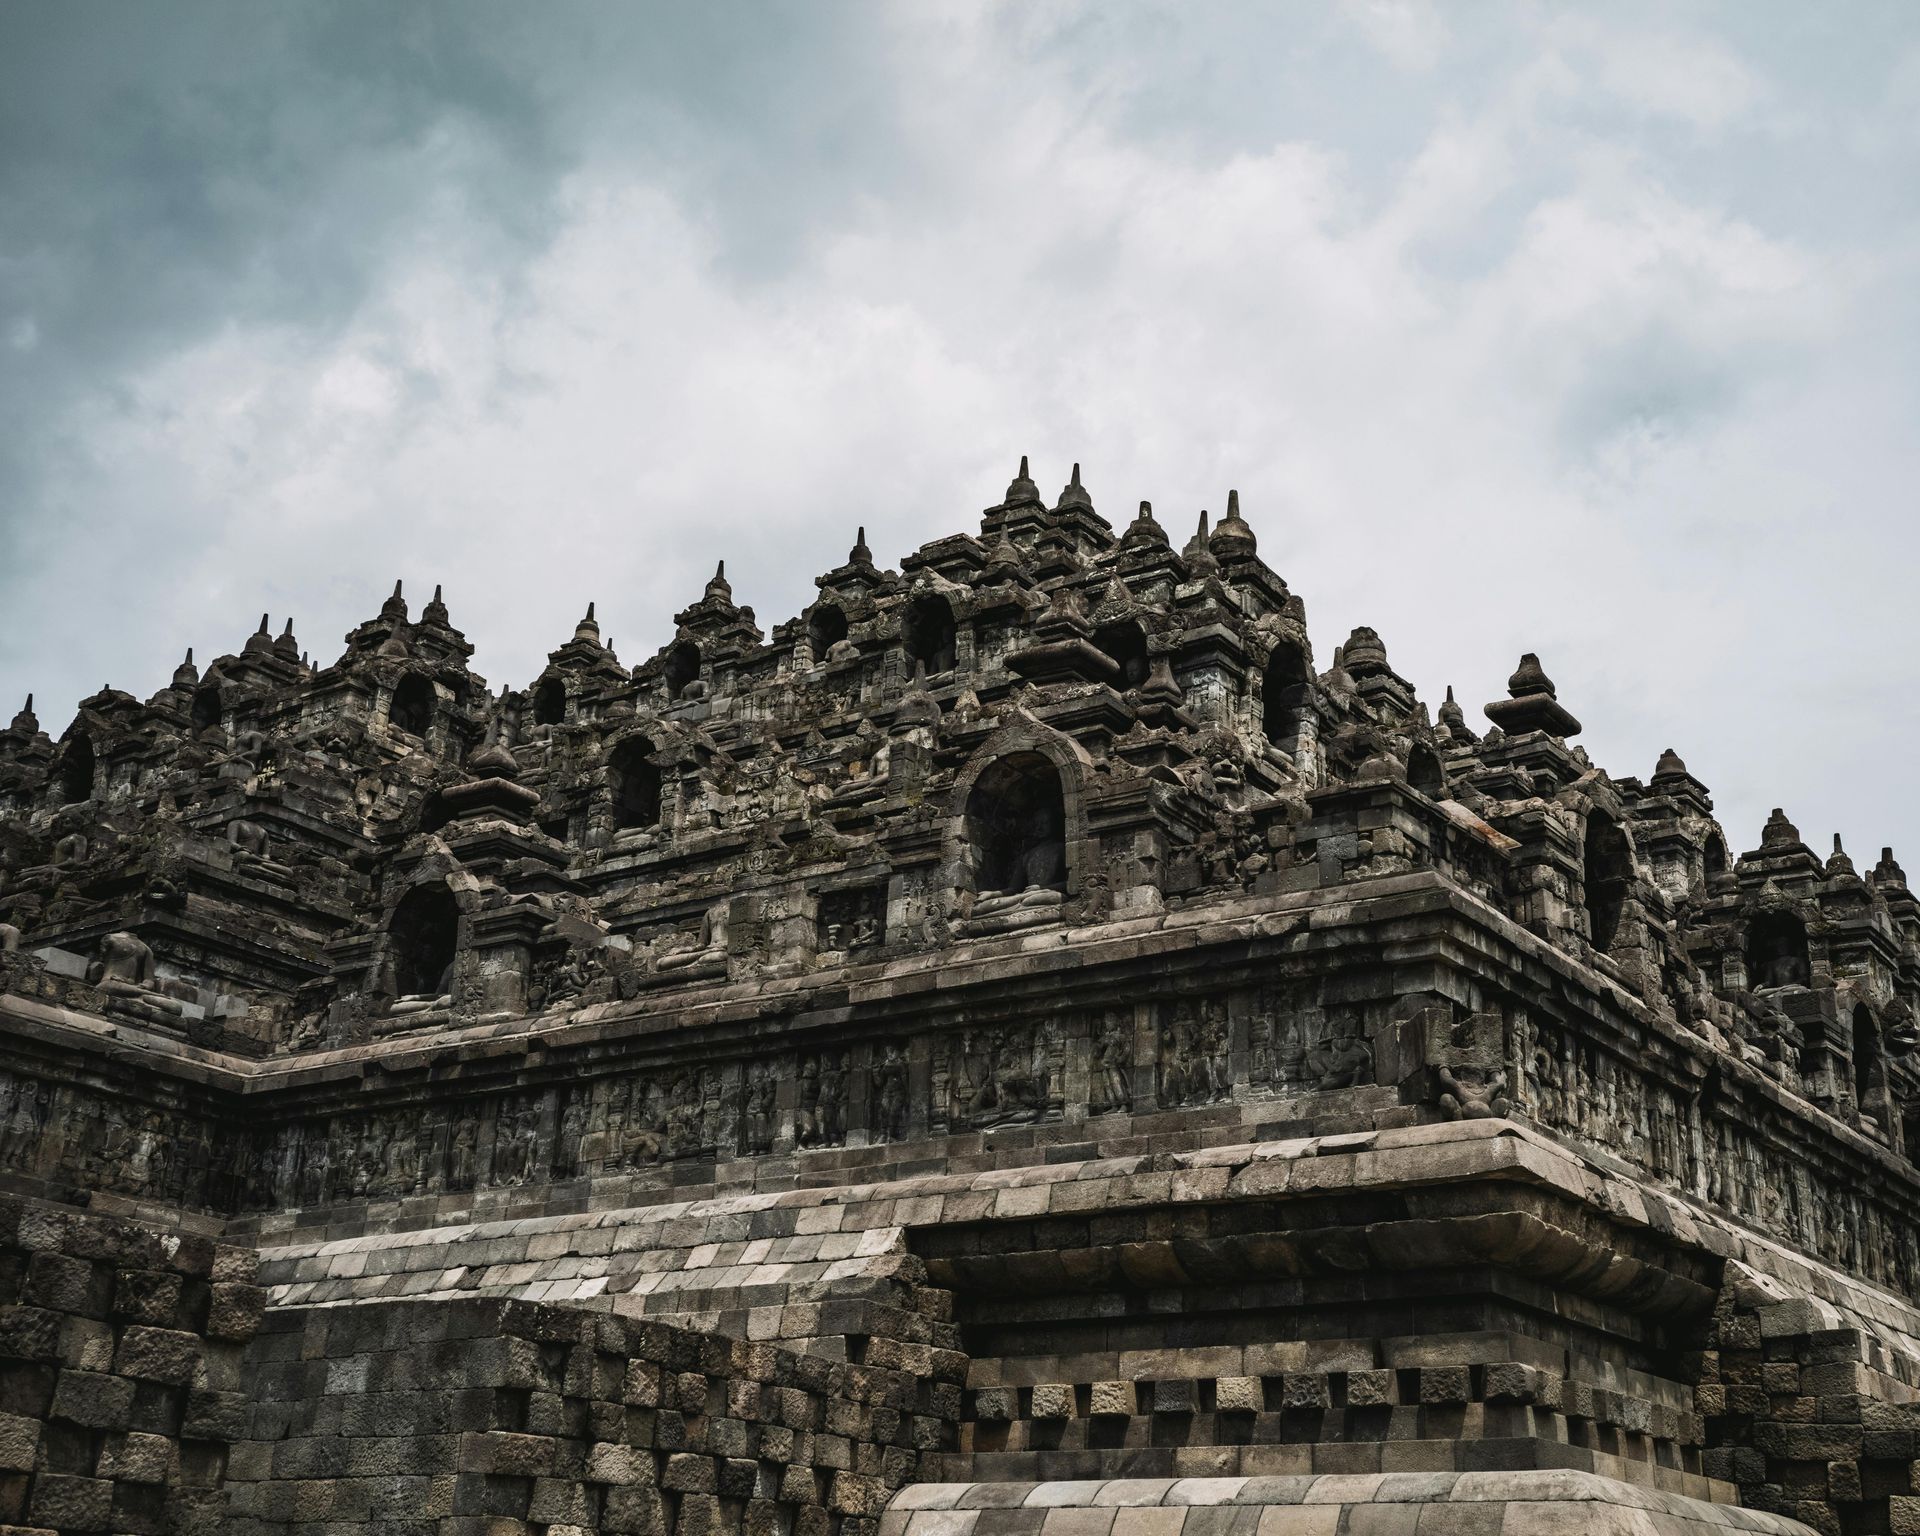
{"x": 121, "y": 1372}
{"x": 467, "y": 1417}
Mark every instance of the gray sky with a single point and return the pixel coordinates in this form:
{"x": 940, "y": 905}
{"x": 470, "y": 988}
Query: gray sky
{"x": 1587, "y": 330}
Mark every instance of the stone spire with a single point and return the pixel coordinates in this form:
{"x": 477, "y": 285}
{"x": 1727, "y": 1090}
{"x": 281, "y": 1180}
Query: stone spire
{"x": 1197, "y": 554}
{"x": 1838, "y": 863}
{"x": 1453, "y": 719}
{"x": 27, "y": 722}
{"x": 1233, "y": 539}
{"x": 286, "y": 646}
{"x": 718, "y": 589}
{"x": 1144, "y": 530}
{"x": 186, "y": 675}
{"x": 1074, "y": 494}
{"x": 1887, "y": 873}
{"x": 1022, "y": 488}
{"x": 588, "y": 629}
{"x": 261, "y": 640}
{"x": 492, "y": 759}
{"x": 860, "y": 554}
{"x": 394, "y": 608}
{"x": 436, "y": 610}
{"x": 1670, "y": 766}
{"x": 1365, "y": 653}
{"x": 1532, "y": 704}
{"x": 1779, "y": 832}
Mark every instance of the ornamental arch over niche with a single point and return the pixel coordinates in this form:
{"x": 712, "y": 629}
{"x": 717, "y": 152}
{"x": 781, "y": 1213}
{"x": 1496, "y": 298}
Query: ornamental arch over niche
{"x": 1776, "y": 949}
{"x": 208, "y": 707}
{"x": 1125, "y": 644}
{"x": 1425, "y": 772}
{"x": 1283, "y": 694}
{"x": 1018, "y": 819}
{"x": 1607, "y": 873}
{"x": 423, "y": 938}
{"x": 826, "y": 628}
{"x": 411, "y": 709}
{"x": 550, "y": 702}
{"x": 77, "y": 770}
{"x": 633, "y": 778}
{"x": 682, "y": 668}
{"x": 928, "y": 633}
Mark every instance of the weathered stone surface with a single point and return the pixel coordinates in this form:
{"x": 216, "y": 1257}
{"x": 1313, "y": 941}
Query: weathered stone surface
{"x": 748, "y": 1091}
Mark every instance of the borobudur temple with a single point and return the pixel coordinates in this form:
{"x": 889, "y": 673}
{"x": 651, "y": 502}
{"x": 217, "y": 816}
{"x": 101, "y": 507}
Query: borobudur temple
{"x": 1021, "y": 1050}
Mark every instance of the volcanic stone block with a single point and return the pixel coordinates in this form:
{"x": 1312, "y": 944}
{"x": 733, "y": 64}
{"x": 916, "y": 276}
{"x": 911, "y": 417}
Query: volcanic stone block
{"x": 167, "y": 1355}
{"x": 1445, "y": 1384}
{"x": 19, "y": 1442}
{"x": 212, "y": 1415}
{"x": 996, "y": 1405}
{"x": 1053, "y": 1400}
{"x": 852, "y": 1494}
{"x": 86, "y": 1344}
{"x": 62, "y": 1284}
{"x": 72, "y": 1503}
{"x": 150, "y": 1296}
{"x": 235, "y": 1310}
{"x": 688, "y": 1473}
{"x": 641, "y": 1386}
{"x": 1113, "y": 1399}
{"x": 1509, "y": 1382}
{"x": 1305, "y": 1389}
{"x": 137, "y": 1458}
{"x": 620, "y": 1464}
{"x": 97, "y": 1401}
{"x": 636, "y": 1510}
{"x": 1372, "y": 1389}
{"x": 1238, "y": 1394}
{"x": 556, "y": 1501}
{"x": 29, "y": 1333}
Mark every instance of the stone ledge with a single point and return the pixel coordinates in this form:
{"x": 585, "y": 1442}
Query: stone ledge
{"x": 1554, "y": 1502}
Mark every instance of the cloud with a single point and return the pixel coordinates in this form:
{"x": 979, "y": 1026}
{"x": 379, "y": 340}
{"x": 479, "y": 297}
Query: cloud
{"x": 574, "y": 310}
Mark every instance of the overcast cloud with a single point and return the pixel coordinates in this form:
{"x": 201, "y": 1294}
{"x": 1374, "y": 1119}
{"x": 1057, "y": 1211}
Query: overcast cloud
{"x": 1593, "y": 331}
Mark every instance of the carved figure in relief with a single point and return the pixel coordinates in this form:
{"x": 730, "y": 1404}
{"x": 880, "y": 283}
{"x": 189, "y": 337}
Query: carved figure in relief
{"x": 461, "y": 1156}
{"x": 1346, "y": 1061}
{"x": 831, "y": 1109}
{"x": 566, "y": 1152}
{"x": 1113, "y": 1060}
{"x": 1472, "y": 1093}
{"x": 889, "y": 1097}
{"x": 760, "y": 1112}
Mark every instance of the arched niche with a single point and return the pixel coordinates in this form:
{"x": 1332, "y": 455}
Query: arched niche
{"x": 1713, "y": 857}
{"x": 424, "y": 935}
{"x": 1125, "y": 645}
{"x": 208, "y": 708}
{"x": 411, "y": 709}
{"x": 928, "y": 634}
{"x": 550, "y": 702}
{"x": 77, "y": 770}
{"x": 682, "y": 668}
{"x": 1425, "y": 772}
{"x": 1283, "y": 694}
{"x": 1607, "y": 871}
{"x": 634, "y": 779}
{"x": 1776, "y": 950}
{"x": 826, "y": 628}
{"x": 1016, "y": 827}
{"x": 1869, "y": 1069}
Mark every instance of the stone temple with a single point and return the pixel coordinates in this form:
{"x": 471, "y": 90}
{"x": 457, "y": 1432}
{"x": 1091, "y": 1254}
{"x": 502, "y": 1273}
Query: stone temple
{"x": 1024, "y": 1049}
